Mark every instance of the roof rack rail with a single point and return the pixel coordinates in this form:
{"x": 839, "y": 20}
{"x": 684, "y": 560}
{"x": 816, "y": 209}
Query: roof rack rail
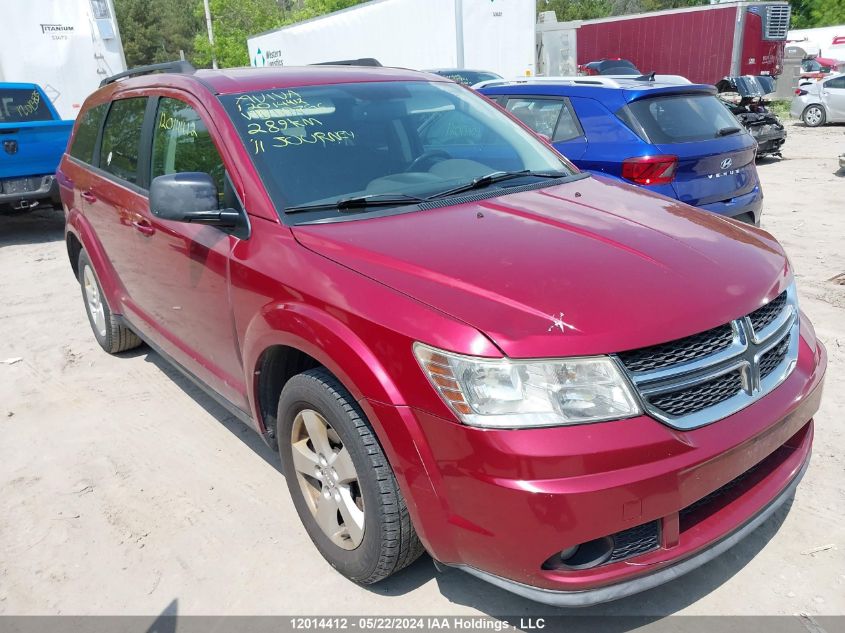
{"x": 587, "y": 80}
{"x": 181, "y": 67}
{"x": 361, "y": 61}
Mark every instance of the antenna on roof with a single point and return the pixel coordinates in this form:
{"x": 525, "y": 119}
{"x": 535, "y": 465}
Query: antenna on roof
{"x": 646, "y": 77}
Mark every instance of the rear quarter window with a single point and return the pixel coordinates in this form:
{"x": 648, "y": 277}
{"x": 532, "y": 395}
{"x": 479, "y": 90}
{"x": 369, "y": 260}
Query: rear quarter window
{"x": 680, "y": 118}
{"x": 552, "y": 117}
{"x": 21, "y": 105}
{"x": 85, "y": 139}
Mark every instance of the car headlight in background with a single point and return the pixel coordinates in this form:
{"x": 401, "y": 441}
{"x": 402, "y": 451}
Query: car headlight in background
{"x": 505, "y": 393}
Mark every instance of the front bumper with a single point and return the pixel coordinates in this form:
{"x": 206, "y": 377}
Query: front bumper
{"x": 770, "y": 143}
{"x": 499, "y": 503}
{"x": 648, "y": 581}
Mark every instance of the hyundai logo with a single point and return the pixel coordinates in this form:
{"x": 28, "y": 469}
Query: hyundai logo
{"x": 11, "y": 147}
{"x": 726, "y": 164}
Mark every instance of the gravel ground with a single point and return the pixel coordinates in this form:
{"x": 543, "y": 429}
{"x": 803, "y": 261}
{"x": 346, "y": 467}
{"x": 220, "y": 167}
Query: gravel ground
{"x": 126, "y": 490}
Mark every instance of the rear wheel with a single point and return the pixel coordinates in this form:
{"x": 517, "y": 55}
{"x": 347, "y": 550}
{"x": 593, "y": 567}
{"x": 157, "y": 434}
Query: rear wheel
{"x": 814, "y": 116}
{"x": 341, "y": 483}
{"x": 110, "y": 333}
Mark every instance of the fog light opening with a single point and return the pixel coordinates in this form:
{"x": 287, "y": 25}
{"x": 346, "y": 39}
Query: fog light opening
{"x": 584, "y": 556}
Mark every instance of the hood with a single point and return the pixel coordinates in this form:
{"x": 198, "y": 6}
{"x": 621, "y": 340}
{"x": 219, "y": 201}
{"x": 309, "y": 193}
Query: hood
{"x": 587, "y": 267}
{"x": 747, "y": 85}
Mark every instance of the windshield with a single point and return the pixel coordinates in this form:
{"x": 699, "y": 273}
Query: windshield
{"x": 683, "y": 118}
{"x": 323, "y": 144}
{"x": 19, "y": 105}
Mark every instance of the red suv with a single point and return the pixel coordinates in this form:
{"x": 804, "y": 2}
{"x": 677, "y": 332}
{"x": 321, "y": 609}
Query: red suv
{"x": 564, "y": 385}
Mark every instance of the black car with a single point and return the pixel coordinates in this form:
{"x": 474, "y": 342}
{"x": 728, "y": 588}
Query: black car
{"x": 464, "y": 76}
{"x": 745, "y": 96}
{"x": 609, "y": 67}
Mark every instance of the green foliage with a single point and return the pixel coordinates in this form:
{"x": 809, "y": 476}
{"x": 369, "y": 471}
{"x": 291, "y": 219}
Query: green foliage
{"x": 827, "y": 12}
{"x": 234, "y": 21}
{"x": 588, "y": 9}
{"x": 156, "y": 30}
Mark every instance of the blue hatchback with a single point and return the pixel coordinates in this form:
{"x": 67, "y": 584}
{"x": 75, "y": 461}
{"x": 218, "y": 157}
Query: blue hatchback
{"x": 675, "y": 139}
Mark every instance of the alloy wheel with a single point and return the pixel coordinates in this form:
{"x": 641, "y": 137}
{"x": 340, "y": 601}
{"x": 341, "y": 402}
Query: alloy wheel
{"x": 94, "y": 300}
{"x": 813, "y": 116}
{"x": 328, "y": 479}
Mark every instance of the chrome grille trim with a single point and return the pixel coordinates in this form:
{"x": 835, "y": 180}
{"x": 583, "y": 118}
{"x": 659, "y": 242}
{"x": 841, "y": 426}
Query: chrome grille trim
{"x": 744, "y": 355}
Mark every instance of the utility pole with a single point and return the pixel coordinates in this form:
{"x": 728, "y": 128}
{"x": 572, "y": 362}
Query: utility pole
{"x": 459, "y": 32}
{"x": 210, "y": 34}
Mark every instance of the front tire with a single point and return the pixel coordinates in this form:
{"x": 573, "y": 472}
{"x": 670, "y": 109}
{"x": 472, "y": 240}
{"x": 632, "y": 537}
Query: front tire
{"x": 341, "y": 483}
{"x": 111, "y": 334}
{"x": 813, "y": 116}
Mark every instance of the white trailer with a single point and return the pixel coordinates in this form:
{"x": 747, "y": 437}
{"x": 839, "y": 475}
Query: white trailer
{"x": 67, "y": 47}
{"x": 495, "y": 35}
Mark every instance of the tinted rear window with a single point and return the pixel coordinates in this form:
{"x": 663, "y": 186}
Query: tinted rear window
{"x": 86, "y": 134}
{"x": 20, "y": 105}
{"x": 682, "y": 118}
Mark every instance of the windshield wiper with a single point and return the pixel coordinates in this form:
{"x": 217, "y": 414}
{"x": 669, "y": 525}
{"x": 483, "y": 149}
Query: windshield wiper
{"x": 359, "y": 202}
{"x": 494, "y": 177}
{"x": 726, "y": 131}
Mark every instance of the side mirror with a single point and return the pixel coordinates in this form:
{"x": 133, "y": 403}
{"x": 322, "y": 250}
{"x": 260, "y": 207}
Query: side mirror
{"x": 190, "y": 197}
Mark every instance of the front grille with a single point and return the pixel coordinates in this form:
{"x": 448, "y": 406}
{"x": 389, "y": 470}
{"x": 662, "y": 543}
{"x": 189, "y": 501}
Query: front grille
{"x": 696, "y": 380}
{"x": 699, "y": 397}
{"x": 761, "y": 317}
{"x": 773, "y": 358}
{"x": 776, "y": 21}
{"x": 678, "y": 351}
{"x": 635, "y": 541}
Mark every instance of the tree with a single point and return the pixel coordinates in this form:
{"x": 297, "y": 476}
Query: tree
{"x": 233, "y": 22}
{"x": 589, "y": 9}
{"x": 156, "y": 30}
{"x": 827, "y": 12}
{"x": 308, "y": 9}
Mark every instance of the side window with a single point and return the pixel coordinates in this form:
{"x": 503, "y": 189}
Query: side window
{"x": 181, "y": 143}
{"x": 568, "y": 127}
{"x": 86, "y": 133}
{"x": 122, "y": 138}
{"x": 839, "y": 83}
{"x": 541, "y": 115}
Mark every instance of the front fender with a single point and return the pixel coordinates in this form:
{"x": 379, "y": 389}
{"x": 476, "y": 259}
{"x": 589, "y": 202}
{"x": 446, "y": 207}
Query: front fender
{"x": 368, "y": 378}
{"x": 326, "y": 339}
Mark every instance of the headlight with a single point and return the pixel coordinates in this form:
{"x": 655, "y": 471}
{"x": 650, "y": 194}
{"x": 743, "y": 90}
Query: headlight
{"x": 504, "y": 393}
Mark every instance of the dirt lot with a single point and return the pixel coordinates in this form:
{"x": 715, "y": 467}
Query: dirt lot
{"x": 125, "y": 490}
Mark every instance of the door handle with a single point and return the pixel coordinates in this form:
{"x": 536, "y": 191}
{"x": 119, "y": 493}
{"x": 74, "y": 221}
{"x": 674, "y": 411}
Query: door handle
{"x": 88, "y": 196}
{"x": 143, "y": 227}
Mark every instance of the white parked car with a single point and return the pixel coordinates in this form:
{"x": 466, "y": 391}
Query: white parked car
{"x": 820, "y": 102}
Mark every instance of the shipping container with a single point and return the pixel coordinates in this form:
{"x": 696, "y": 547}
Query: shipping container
{"x": 421, "y": 34}
{"x": 702, "y": 43}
